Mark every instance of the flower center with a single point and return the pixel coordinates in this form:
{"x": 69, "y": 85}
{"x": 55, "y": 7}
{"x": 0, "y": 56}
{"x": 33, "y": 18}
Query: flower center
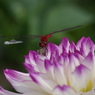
{"x": 88, "y": 87}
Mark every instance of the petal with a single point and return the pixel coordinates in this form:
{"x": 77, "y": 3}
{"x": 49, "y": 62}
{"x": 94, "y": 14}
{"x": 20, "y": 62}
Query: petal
{"x": 35, "y": 61}
{"x": 27, "y": 60}
{"x": 57, "y": 91}
{"x": 30, "y": 68}
{"x": 72, "y": 47}
{"x": 51, "y": 50}
{"x": 55, "y": 56}
{"x": 78, "y": 55}
{"x": 86, "y": 46}
{"x": 64, "y": 45}
{"x": 59, "y": 74}
{"x": 73, "y": 60}
{"x": 35, "y": 93}
{"x": 16, "y": 75}
{"x": 71, "y": 65}
{"x": 50, "y": 82}
{"x": 41, "y": 82}
{"x": 40, "y": 65}
{"x": 65, "y": 60}
{"x": 5, "y": 92}
{"x": 49, "y": 69}
{"x": 92, "y": 92}
{"x": 80, "y": 77}
{"x": 80, "y": 42}
{"x": 21, "y": 81}
{"x": 63, "y": 90}
{"x": 32, "y": 57}
{"x": 89, "y": 61}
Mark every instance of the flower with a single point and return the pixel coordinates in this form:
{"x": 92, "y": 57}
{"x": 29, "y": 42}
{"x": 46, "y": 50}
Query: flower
{"x": 67, "y": 69}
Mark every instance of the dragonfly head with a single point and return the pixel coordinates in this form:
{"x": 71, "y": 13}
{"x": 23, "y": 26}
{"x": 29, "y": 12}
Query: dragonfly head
{"x": 43, "y": 44}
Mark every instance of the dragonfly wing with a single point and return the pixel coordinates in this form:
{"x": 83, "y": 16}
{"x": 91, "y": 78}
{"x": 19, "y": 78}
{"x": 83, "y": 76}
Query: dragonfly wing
{"x": 64, "y": 29}
{"x": 12, "y": 42}
{"x": 23, "y": 38}
{"x": 20, "y": 36}
{"x": 6, "y": 42}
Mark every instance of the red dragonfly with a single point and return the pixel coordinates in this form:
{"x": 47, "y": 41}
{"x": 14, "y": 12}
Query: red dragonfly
{"x": 43, "y": 39}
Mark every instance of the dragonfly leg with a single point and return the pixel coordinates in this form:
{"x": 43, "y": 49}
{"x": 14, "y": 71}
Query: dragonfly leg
{"x": 42, "y": 51}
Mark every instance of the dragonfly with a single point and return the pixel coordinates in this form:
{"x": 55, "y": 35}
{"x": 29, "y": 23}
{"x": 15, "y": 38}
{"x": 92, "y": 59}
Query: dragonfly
{"x": 43, "y": 39}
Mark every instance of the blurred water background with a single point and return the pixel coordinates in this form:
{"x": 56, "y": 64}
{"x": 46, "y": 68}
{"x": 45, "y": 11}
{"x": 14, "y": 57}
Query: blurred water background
{"x": 40, "y": 17}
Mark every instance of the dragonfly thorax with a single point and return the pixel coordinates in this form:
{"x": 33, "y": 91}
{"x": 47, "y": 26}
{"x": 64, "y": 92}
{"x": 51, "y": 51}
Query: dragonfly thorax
{"x": 44, "y": 40}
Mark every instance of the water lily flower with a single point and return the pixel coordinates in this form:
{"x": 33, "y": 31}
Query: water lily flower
{"x": 67, "y": 69}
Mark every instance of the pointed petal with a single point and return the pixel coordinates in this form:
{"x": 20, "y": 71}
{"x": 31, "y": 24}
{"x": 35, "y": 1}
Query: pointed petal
{"x": 64, "y": 45}
{"x": 89, "y": 61}
{"x": 40, "y": 65}
{"x": 85, "y": 45}
{"x": 79, "y": 56}
{"x": 20, "y": 81}
{"x": 32, "y": 57}
{"x": 27, "y": 60}
{"x": 80, "y": 77}
{"x": 36, "y": 93}
{"x": 41, "y": 82}
{"x": 63, "y": 90}
{"x": 30, "y": 68}
{"x": 72, "y": 47}
{"x": 80, "y": 42}
{"x": 49, "y": 69}
{"x": 5, "y": 92}
{"x": 88, "y": 45}
{"x": 92, "y": 92}
{"x": 59, "y": 74}
{"x": 51, "y": 50}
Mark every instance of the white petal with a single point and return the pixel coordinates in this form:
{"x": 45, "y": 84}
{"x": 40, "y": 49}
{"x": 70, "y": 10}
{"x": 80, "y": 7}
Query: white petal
{"x": 21, "y": 81}
{"x": 59, "y": 74}
{"x": 64, "y": 45}
{"x": 36, "y": 93}
{"x": 5, "y": 92}
{"x": 49, "y": 70}
{"x": 63, "y": 90}
{"x": 80, "y": 77}
{"x": 41, "y": 82}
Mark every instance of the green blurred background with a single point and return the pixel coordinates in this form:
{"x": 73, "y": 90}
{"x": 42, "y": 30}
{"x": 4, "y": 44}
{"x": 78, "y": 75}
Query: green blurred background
{"x": 39, "y": 17}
